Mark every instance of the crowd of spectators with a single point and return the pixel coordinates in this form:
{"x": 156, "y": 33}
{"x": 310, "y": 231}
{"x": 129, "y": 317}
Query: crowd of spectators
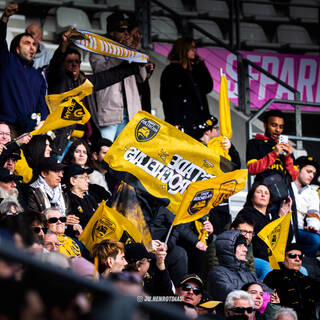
{"x": 51, "y": 185}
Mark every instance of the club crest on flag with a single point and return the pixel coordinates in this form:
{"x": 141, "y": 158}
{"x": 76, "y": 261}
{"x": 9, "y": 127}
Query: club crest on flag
{"x": 229, "y": 185}
{"x": 73, "y": 112}
{"x": 274, "y": 236}
{"x": 146, "y": 130}
{"x": 200, "y": 201}
{"x": 103, "y": 228}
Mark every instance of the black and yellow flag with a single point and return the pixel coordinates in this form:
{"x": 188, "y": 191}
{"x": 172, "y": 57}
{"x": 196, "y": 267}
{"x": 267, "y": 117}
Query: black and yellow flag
{"x": 66, "y": 109}
{"x": 126, "y": 202}
{"x": 275, "y": 235}
{"x": 108, "y": 224}
{"x": 154, "y": 156}
{"x": 202, "y": 196}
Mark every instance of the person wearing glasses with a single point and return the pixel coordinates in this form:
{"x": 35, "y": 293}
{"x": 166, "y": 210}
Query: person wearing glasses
{"x": 57, "y": 223}
{"x": 295, "y": 290}
{"x": 257, "y": 207}
{"x": 64, "y": 74}
{"x": 231, "y": 274}
{"x": 239, "y": 305}
{"x": 118, "y": 103}
{"x": 190, "y": 289}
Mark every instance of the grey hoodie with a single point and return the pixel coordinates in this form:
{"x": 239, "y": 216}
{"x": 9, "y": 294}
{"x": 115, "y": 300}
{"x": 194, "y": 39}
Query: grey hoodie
{"x": 231, "y": 274}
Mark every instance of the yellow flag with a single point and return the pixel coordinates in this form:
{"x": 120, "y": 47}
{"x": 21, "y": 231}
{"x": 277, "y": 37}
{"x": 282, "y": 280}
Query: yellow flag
{"x": 215, "y": 144}
{"x": 157, "y": 158}
{"x": 275, "y": 235}
{"x": 107, "y": 223}
{"x": 204, "y": 195}
{"x": 66, "y": 109}
{"x": 126, "y": 203}
{"x": 224, "y": 109}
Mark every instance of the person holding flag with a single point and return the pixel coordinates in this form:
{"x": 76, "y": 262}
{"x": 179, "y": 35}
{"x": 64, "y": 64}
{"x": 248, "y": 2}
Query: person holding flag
{"x": 257, "y": 207}
{"x": 64, "y": 74}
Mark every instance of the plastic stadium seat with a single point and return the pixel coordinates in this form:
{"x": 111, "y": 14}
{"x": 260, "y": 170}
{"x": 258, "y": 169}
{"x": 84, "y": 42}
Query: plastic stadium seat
{"x": 102, "y": 17}
{"x": 50, "y": 28}
{"x": 88, "y": 5}
{"x": 295, "y": 37}
{"x": 209, "y": 26}
{"x": 163, "y": 28}
{"x": 252, "y": 35}
{"x": 46, "y": 2}
{"x": 71, "y": 17}
{"x": 262, "y": 12}
{"x": 126, "y": 5}
{"x": 213, "y": 8}
{"x": 175, "y": 5}
{"x": 16, "y": 21}
{"x": 304, "y": 14}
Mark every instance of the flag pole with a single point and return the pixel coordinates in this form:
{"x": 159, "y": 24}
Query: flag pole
{"x": 168, "y": 235}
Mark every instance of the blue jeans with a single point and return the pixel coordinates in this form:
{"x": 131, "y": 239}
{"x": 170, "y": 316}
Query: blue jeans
{"x": 111, "y": 132}
{"x": 263, "y": 268}
{"x": 310, "y": 242}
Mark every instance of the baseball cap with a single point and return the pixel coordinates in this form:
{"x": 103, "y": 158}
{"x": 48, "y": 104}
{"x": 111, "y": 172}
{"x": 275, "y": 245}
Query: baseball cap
{"x": 208, "y": 303}
{"x": 294, "y": 246}
{"x": 191, "y": 277}
{"x": 305, "y": 160}
{"x": 74, "y": 170}
{"x": 50, "y": 164}
{"x": 7, "y": 176}
{"x": 115, "y": 21}
{"x": 12, "y": 151}
{"x": 136, "y": 251}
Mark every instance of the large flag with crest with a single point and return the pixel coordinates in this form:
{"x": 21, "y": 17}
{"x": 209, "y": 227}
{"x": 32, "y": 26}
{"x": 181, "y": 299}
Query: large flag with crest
{"x": 154, "y": 156}
{"x": 66, "y": 109}
{"x": 202, "y": 196}
{"x": 108, "y": 224}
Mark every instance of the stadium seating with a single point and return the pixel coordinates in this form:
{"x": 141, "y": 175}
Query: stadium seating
{"x": 295, "y": 37}
{"x": 209, "y": 26}
{"x": 262, "y": 12}
{"x": 213, "y": 8}
{"x": 163, "y": 28}
{"x": 71, "y": 17}
{"x": 125, "y": 5}
{"x": 304, "y": 14}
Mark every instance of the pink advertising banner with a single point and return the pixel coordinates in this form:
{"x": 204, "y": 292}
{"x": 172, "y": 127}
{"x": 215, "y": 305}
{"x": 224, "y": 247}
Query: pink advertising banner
{"x": 300, "y": 72}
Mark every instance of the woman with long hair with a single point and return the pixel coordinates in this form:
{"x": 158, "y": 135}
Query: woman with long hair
{"x": 185, "y": 82}
{"x": 79, "y": 153}
{"x": 257, "y": 207}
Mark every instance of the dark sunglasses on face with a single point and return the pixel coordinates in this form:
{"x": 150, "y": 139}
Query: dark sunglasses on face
{"x": 122, "y": 30}
{"x": 38, "y": 229}
{"x": 294, "y": 255}
{"x": 55, "y": 220}
{"x": 73, "y": 61}
{"x": 241, "y": 310}
{"x": 188, "y": 287}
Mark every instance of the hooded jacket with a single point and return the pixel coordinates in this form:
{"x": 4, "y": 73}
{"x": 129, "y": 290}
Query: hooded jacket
{"x": 231, "y": 274}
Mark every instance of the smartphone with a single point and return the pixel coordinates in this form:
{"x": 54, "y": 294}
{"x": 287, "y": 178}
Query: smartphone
{"x": 283, "y": 138}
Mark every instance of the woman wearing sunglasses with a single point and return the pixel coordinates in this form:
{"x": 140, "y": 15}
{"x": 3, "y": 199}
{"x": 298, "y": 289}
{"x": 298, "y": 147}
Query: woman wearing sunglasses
{"x": 262, "y": 312}
{"x": 57, "y": 224}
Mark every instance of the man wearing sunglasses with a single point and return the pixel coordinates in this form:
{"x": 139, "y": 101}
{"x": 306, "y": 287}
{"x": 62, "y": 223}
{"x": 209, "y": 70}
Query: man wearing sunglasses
{"x": 295, "y": 290}
{"x": 190, "y": 289}
{"x": 118, "y": 103}
{"x": 239, "y": 305}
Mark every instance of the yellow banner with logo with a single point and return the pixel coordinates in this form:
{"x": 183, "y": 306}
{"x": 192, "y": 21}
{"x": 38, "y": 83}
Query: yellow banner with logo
{"x": 66, "y": 109}
{"x": 95, "y": 43}
{"x": 154, "y": 156}
{"x": 275, "y": 235}
{"x": 107, "y": 223}
{"x": 204, "y": 195}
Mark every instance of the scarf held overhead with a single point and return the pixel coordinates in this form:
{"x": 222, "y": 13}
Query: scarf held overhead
{"x": 92, "y": 42}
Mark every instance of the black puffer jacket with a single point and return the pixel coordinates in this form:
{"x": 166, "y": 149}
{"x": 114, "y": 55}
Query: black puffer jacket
{"x": 231, "y": 274}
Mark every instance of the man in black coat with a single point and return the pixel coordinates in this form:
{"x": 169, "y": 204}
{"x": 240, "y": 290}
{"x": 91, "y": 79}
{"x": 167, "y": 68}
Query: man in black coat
{"x": 295, "y": 290}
